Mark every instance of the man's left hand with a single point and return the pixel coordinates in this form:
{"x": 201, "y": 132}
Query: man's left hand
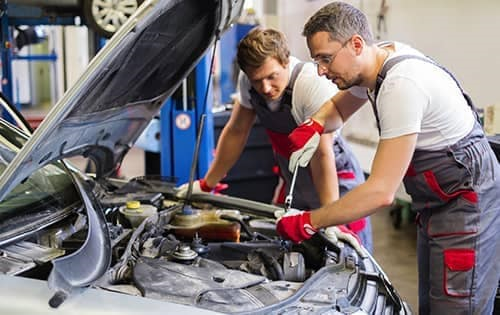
{"x": 341, "y": 232}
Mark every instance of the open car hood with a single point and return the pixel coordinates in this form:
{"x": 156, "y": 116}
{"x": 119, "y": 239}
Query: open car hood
{"x": 124, "y": 86}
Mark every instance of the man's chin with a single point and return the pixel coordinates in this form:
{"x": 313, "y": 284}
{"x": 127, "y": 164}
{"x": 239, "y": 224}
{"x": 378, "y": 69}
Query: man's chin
{"x": 271, "y": 98}
{"x": 342, "y": 85}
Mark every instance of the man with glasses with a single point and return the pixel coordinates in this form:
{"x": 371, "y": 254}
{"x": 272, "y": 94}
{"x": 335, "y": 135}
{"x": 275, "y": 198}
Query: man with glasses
{"x": 281, "y": 92}
{"x": 430, "y": 138}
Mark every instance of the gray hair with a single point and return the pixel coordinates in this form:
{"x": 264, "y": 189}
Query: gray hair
{"x": 341, "y": 21}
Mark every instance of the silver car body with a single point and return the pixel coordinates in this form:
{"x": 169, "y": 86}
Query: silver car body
{"x": 22, "y": 296}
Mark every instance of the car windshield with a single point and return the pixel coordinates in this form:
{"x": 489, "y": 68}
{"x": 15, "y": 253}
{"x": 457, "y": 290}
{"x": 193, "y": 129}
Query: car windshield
{"x": 43, "y": 194}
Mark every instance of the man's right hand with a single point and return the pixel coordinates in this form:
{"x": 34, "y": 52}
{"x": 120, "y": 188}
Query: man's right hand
{"x": 295, "y": 225}
{"x": 199, "y": 186}
{"x": 304, "y": 141}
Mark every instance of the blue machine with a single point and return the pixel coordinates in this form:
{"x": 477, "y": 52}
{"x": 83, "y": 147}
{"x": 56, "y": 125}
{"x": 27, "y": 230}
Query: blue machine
{"x": 179, "y": 128}
{"x": 179, "y": 123}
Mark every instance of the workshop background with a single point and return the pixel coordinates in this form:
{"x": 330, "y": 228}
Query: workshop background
{"x": 459, "y": 34}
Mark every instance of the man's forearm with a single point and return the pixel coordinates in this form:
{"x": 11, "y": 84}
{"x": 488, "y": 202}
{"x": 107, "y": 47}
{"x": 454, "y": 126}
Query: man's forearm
{"x": 228, "y": 151}
{"x": 324, "y": 171}
{"x": 328, "y": 117}
{"x": 358, "y": 203}
{"x": 388, "y": 168}
{"x": 337, "y": 110}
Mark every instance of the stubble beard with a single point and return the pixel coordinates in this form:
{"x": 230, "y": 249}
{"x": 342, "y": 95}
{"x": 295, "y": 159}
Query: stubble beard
{"x": 345, "y": 85}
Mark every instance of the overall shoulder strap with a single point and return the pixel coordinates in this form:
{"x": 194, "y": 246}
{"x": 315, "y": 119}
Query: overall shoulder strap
{"x": 295, "y": 73}
{"x": 393, "y": 61}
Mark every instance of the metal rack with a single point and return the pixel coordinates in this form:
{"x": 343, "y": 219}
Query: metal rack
{"x": 11, "y": 16}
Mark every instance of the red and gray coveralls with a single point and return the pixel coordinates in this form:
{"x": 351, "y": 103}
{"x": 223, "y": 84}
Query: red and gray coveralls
{"x": 456, "y": 193}
{"x": 279, "y": 124}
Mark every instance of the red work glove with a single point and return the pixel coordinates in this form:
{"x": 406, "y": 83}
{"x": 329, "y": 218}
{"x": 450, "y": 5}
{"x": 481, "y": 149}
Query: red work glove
{"x": 204, "y": 186}
{"x": 304, "y": 140}
{"x": 220, "y": 187}
{"x": 199, "y": 186}
{"x": 296, "y": 226}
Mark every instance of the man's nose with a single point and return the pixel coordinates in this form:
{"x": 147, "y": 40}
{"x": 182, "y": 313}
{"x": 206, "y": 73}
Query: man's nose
{"x": 322, "y": 70}
{"x": 266, "y": 87}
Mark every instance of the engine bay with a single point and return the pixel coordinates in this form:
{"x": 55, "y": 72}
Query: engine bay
{"x": 218, "y": 259}
{"x": 213, "y": 254}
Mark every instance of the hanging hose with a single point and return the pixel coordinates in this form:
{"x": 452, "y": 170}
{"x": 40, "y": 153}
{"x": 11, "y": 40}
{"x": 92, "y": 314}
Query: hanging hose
{"x": 271, "y": 263}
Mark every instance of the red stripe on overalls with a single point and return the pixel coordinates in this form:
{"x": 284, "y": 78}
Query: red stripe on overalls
{"x": 346, "y": 175}
{"x": 357, "y": 225}
{"x": 280, "y": 143}
{"x": 411, "y": 171}
{"x": 431, "y": 180}
{"x": 457, "y": 259}
{"x": 468, "y": 195}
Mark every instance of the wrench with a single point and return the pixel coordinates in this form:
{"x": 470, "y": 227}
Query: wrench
{"x": 289, "y": 197}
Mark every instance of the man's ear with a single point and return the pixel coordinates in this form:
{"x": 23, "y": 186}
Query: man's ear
{"x": 287, "y": 63}
{"x": 358, "y": 43}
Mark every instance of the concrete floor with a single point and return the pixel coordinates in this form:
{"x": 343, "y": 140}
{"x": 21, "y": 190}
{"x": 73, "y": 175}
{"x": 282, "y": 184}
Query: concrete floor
{"x": 394, "y": 249}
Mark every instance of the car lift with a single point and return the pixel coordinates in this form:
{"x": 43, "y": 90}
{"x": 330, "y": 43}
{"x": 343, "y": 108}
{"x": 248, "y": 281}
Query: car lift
{"x": 180, "y": 119}
{"x": 179, "y": 127}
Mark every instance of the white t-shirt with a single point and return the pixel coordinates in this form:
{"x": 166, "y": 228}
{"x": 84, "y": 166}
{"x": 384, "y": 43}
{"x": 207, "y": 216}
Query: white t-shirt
{"x": 419, "y": 97}
{"x": 309, "y": 92}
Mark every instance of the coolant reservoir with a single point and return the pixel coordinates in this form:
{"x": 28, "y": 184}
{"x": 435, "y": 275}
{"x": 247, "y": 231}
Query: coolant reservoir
{"x": 135, "y": 212}
{"x": 207, "y": 224}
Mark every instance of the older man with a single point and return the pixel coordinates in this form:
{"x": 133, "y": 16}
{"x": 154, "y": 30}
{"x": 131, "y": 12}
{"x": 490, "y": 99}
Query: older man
{"x": 430, "y": 137}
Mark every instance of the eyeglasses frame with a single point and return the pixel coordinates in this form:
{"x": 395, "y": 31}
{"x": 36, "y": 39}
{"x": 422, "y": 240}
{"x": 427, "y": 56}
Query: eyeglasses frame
{"x": 325, "y": 61}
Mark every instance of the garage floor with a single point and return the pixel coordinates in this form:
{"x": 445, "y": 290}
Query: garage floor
{"x": 394, "y": 249}
{"x": 396, "y": 252}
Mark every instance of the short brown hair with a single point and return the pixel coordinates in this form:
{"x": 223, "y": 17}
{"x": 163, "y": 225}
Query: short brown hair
{"x": 341, "y": 21}
{"x": 259, "y": 44}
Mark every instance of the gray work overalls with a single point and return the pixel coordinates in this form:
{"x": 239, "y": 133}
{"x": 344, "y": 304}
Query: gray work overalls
{"x": 456, "y": 193}
{"x": 279, "y": 124}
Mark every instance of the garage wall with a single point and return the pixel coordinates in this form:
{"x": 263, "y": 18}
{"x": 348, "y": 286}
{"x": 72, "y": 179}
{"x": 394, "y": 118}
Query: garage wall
{"x": 460, "y": 34}
{"x": 76, "y": 53}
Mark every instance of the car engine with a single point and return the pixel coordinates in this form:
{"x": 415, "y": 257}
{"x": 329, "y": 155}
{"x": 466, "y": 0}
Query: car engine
{"x": 215, "y": 252}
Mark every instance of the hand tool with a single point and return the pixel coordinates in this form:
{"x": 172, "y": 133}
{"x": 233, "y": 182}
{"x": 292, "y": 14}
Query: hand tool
{"x": 289, "y": 197}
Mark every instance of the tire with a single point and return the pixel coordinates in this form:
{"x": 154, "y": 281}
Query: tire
{"x": 106, "y": 23}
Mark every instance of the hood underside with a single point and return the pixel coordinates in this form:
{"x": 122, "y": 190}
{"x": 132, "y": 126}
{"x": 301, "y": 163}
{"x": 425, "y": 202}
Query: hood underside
{"x": 124, "y": 86}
